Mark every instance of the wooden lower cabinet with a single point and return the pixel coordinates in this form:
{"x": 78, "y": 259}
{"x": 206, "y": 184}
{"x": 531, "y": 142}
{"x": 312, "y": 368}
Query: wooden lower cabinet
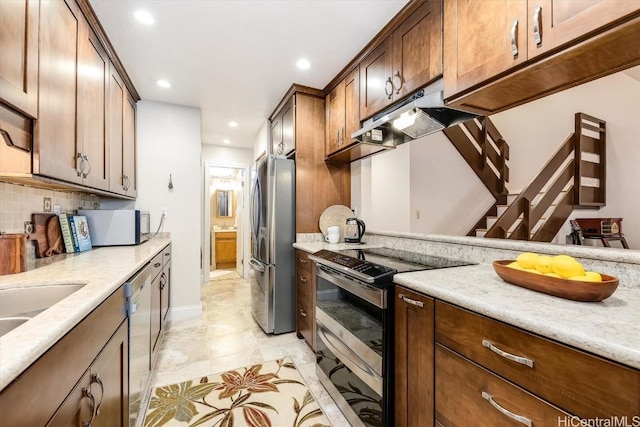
{"x": 160, "y": 287}
{"x": 468, "y": 395}
{"x": 225, "y": 249}
{"x": 90, "y": 360}
{"x": 414, "y": 371}
{"x": 305, "y": 298}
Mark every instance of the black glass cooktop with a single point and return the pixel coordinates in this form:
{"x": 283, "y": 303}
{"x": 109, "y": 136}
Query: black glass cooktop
{"x": 376, "y": 265}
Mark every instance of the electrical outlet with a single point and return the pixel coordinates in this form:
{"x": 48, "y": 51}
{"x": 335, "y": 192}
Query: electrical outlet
{"x": 46, "y": 204}
{"x": 355, "y": 212}
{"x": 163, "y": 211}
{"x": 417, "y": 214}
{"x": 28, "y": 227}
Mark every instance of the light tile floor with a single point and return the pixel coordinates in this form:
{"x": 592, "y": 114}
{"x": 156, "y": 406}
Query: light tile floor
{"x": 226, "y": 337}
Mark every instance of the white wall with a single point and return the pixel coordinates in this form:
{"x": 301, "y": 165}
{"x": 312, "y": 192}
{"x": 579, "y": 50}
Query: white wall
{"x": 262, "y": 140}
{"x": 227, "y": 155}
{"x": 429, "y": 175}
{"x": 169, "y": 142}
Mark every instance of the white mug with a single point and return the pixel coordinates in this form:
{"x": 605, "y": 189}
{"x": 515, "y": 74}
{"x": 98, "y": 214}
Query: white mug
{"x": 332, "y": 237}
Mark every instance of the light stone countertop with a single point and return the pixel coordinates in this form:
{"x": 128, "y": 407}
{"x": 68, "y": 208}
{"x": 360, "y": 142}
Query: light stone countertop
{"x": 102, "y": 270}
{"x": 610, "y": 328}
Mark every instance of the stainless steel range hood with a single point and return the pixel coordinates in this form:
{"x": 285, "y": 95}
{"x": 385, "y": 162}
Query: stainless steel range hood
{"x": 421, "y": 114}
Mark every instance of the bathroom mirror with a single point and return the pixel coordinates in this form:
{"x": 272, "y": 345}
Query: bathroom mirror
{"x": 225, "y": 203}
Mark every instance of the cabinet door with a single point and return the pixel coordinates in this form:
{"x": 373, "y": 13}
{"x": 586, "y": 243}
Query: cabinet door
{"x": 77, "y": 408}
{"x": 129, "y": 146}
{"x": 553, "y": 23}
{"x": 276, "y": 134}
{"x": 225, "y": 250}
{"x": 110, "y": 381}
{"x": 376, "y": 86}
{"x": 93, "y": 80}
{"x": 414, "y": 353}
{"x": 57, "y": 148}
{"x": 351, "y": 105}
{"x": 288, "y": 127}
{"x": 155, "y": 316}
{"x": 19, "y": 47}
{"x": 335, "y": 125}
{"x": 417, "y": 49}
{"x": 115, "y": 122}
{"x": 165, "y": 291}
{"x": 478, "y": 43}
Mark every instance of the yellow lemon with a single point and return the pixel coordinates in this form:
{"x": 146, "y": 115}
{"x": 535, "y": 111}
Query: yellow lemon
{"x": 593, "y": 275}
{"x": 543, "y": 264}
{"x": 527, "y": 260}
{"x": 532, "y": 270}
{"x": 566, "y": 266}
{"x": 515, "y": 265}
{"x": 585, "y": 278}
{"x": 552, "y": 275}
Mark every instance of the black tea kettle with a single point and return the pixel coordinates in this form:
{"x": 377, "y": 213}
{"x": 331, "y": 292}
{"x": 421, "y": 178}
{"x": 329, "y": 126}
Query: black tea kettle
{"x": 354, "y": 230}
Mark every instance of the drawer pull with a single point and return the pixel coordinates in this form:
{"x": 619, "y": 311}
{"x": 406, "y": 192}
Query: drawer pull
{"x": 302, "y": 260}
{"x": 512, "y": 357}
{"x": 519, "y": 418}
{"x": 302, "y": 313}
{"x": 303, "y": 280}
{"x": 411, "y": 301}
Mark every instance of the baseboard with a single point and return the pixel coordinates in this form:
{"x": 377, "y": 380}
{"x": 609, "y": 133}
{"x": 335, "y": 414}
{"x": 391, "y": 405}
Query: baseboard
{"x": 185, "y": 312}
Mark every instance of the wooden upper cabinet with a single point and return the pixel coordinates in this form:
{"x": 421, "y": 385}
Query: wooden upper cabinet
{"x": 19, "y": 47}
{"x": 482, "y": 39}
{"x": 376, "y": 85}
{"x": 351, "y": 105}
{"x": 283, "y": 129}
{"x": 276, "y": 133}
{"x": 404, "y": 62}
{"x": 556, "y": 22}
{"x": 93, "y": 81}
{"x": 129, "y": 159}
{"x": 335, "y": 111}
{"x": 117, "y": 94}
{"x": 57, "y": 153}
{"x": 417, "y": 49}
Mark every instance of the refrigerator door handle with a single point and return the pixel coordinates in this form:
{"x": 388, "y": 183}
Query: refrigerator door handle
{"x": 256, "y": 265}
{"x": 255, "y": 209}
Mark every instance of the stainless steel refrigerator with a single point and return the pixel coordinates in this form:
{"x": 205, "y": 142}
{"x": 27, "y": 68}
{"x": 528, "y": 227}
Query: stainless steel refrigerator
{"x": 273, "y": 230}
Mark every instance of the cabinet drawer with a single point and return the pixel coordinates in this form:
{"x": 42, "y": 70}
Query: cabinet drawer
{"x": 468, "y": 395}
{"x": 166, "y": 255}
{"x": 304, "y": 291}
{"x": 302, "y": 260}
{"x": 156, "y": 265}
{"x": 305, "y": 321}
{"x": 575, "y": 381}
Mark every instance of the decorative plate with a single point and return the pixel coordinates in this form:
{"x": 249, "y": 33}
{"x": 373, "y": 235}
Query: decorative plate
{"x": 335, "y": 215}
{"x": 575, "y": 290}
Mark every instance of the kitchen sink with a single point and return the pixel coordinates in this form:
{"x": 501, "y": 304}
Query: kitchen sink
{"x": 18, "y": 305}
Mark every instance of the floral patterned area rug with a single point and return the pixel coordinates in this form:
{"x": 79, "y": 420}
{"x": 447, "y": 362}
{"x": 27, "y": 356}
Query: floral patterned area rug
{"x": 271, "y": 394}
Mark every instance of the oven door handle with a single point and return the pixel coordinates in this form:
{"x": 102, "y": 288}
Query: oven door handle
{"x": 350, "y": 359}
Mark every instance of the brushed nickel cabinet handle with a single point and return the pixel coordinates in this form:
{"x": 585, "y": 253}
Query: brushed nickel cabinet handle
{"x": 79, "y": 163}
{"x": 85, "y": 174}
{"x": 302, "y": 260}
{"x": 515, "y": 417}
{"x": 87, "y": 393}
{"x": 518, "y": 359}
{"x": 95, "y": 378}
{"x": 342, "y": 135}
{"x": 397, "y": 74}
{"x": 302, "y": 313}
{"x": 411, "y": 301}
{"x": 386, "y": 85}
{"x": 303, "y": 280}
{"x": 514, "y": 38}
{"x": 537, "y": 25}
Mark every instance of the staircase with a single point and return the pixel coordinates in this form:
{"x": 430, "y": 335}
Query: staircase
{"x": 573, "y": 178}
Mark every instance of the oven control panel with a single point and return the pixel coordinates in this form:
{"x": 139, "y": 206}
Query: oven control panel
{"x": 363, "y": 269}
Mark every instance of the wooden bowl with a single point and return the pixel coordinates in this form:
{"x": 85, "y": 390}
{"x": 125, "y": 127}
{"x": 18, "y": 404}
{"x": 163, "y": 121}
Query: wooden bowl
{"x": 575, "y": 290}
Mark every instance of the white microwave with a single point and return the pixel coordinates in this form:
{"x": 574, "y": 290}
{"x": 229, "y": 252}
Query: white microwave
{"x": 117, "y": 227}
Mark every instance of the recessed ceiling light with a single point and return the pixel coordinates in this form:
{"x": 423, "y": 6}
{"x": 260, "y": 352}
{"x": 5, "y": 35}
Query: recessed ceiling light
{"x": 226, "y": 141}
{"x": 163, "y": 83}
{"x": 233, "y": 124}
{"x": 144, "y": 17}
{"x": 303, "y": 64}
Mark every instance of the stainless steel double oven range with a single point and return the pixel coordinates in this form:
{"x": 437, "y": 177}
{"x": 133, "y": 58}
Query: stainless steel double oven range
{"x": 354, "y": 318}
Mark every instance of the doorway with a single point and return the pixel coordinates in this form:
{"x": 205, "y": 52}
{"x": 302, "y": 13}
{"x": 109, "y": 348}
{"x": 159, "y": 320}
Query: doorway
{"x": 225, "y": 221}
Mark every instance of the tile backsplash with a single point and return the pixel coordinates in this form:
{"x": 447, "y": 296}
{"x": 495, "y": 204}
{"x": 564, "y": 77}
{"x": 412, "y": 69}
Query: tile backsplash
{"x": 18, "y": 202}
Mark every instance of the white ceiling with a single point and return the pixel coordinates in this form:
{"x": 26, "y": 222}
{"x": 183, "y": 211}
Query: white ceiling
{"x": 236, "y": 59}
